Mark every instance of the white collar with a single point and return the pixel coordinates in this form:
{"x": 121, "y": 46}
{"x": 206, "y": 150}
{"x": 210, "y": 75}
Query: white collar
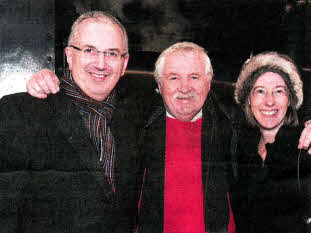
{"x": 198, "y": 116}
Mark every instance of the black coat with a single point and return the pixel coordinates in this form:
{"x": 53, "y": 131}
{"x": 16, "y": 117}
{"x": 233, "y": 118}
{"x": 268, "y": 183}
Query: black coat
{"x": 51, "y": 180}
{"x": 216, "y": 167}
{"x": 272, "y": 196}
{"x": 305, "y": 110}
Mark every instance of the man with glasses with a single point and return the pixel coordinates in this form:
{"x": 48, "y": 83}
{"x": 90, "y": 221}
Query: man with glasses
{"x": 60, "y": 166}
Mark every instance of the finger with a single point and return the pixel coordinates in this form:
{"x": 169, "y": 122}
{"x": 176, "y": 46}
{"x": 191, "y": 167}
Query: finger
{"x": 28, "y": 85}
{"x": 41, "y": 80}
{"x": 306, "y": 139}
{"x": 39, "y": 90}
{"x": 34, "y": 90}
{"x": 53, "y": 83}
{"x": 48, "y": 81}
{"x": 302, "y": 138}
{"x": 309, "y": 151}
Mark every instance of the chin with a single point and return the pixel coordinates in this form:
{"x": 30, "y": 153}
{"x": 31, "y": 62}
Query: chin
{"x": 269, "y": 126}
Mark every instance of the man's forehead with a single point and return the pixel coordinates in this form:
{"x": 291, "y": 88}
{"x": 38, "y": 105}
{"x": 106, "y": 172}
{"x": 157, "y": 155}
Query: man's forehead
{"x": 99, "y": 32}
{"x": 190, "y": 62}
{"x": 104, "y": 21}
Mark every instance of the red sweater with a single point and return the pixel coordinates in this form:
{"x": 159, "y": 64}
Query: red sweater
{"x": 183, "y": 203}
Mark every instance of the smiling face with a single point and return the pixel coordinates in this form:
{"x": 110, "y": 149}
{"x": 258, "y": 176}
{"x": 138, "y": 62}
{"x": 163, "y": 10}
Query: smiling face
{"x": 184, "y": 83}
{"x": 269, "y": 100}
{"x": 97, "y": 76}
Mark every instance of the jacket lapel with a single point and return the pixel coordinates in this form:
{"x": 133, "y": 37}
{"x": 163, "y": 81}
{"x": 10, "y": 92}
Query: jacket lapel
{"x": 154, "y": 161}
{"x": 69, "y": 123}
{"x": 214, "y": 180}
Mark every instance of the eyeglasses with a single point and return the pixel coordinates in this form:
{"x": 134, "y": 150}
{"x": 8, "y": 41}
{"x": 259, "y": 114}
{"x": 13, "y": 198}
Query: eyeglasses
{"x": 262, "y": 92}
{"x": 92, "y": 52}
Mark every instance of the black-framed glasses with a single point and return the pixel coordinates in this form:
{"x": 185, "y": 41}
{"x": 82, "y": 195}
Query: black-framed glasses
{"x": 92, "y": 52}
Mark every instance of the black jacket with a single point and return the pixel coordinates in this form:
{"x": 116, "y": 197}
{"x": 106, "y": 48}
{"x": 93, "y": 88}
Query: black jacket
{"x": 51, "y": 179}
{"x": 272, "y": 196}
{"x": 216, "y": 139}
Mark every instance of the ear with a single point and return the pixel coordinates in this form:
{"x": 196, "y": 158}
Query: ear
{"x": 209, "y": 86}
{"x": 160, "y": 88}
{"x": 126, "y": 59}
{"x": 68, "y": 52}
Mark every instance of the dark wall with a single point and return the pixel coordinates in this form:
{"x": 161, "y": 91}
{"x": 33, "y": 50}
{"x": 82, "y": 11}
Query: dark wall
{"x": 307, "y": 37}
{"x": 26, "y": 41}
{"x": 34, "y": 32}
{"x": 229, "y": 30}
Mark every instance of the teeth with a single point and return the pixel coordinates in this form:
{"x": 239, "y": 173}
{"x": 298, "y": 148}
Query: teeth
{"x": 184, "y": 97}
{"x": 99, "y": 75}
{"x": 269, "y": 113}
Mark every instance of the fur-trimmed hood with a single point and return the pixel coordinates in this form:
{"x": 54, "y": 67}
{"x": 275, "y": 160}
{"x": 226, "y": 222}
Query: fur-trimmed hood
{"x": 270, "y": 60}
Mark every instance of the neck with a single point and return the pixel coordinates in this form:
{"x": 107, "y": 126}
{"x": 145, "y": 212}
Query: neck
{"x": 267, "y": 136}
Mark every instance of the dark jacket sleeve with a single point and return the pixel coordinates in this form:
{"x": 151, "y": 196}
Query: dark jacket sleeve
{"x": 305, "y": 111}
{"x": 127, "y": 125}
{"x": 305, "y": 186}
{"x": 14, "y": 177}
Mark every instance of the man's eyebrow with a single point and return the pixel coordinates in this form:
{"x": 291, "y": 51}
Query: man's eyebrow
{"x": 94, "y": 47}
{"x": 171, "y": 73}
{"x": 114, "y": 49}
{"x": 194, "y": 73}
{"x": 89, "y": 46}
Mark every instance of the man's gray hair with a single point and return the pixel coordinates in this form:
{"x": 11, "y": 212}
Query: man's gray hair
{"x": 184, "y": 46}
{"x": 97, "y": 15}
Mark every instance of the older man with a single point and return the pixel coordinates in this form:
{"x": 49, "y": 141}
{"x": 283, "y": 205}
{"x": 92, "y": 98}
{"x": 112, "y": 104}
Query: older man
{"x": 186, "y": 149}
{"x": 60, "y": 166}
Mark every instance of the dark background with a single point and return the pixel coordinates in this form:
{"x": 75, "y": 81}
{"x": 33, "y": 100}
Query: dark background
{"x": 34, "y": 32}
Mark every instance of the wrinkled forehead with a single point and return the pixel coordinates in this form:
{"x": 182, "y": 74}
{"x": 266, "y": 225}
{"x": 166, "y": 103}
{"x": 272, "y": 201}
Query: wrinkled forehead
{"x": 184, "y": 61}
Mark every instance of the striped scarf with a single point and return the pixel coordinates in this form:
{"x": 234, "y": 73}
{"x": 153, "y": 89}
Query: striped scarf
{"x": 99, "y": 116}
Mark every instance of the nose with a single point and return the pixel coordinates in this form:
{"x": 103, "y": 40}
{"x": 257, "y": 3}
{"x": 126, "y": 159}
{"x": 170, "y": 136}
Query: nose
{"x": 269, "y": 99}
{"x": 184, "y": 86}
{"x": 101, "y": 61}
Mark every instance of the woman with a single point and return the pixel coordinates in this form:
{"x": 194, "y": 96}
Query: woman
{"x": 271, "y": 193}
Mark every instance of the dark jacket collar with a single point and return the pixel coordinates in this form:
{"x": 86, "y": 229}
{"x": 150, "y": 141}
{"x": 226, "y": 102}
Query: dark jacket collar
{"x": 66, "y": 118}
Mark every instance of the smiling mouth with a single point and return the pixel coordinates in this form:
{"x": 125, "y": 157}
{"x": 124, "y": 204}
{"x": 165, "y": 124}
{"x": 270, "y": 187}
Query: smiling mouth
{"x": 186, "y": 97}
{"x": 269, "y": 113}
{"x": 183, "y": 98}
{"x": 99, "y": 75}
